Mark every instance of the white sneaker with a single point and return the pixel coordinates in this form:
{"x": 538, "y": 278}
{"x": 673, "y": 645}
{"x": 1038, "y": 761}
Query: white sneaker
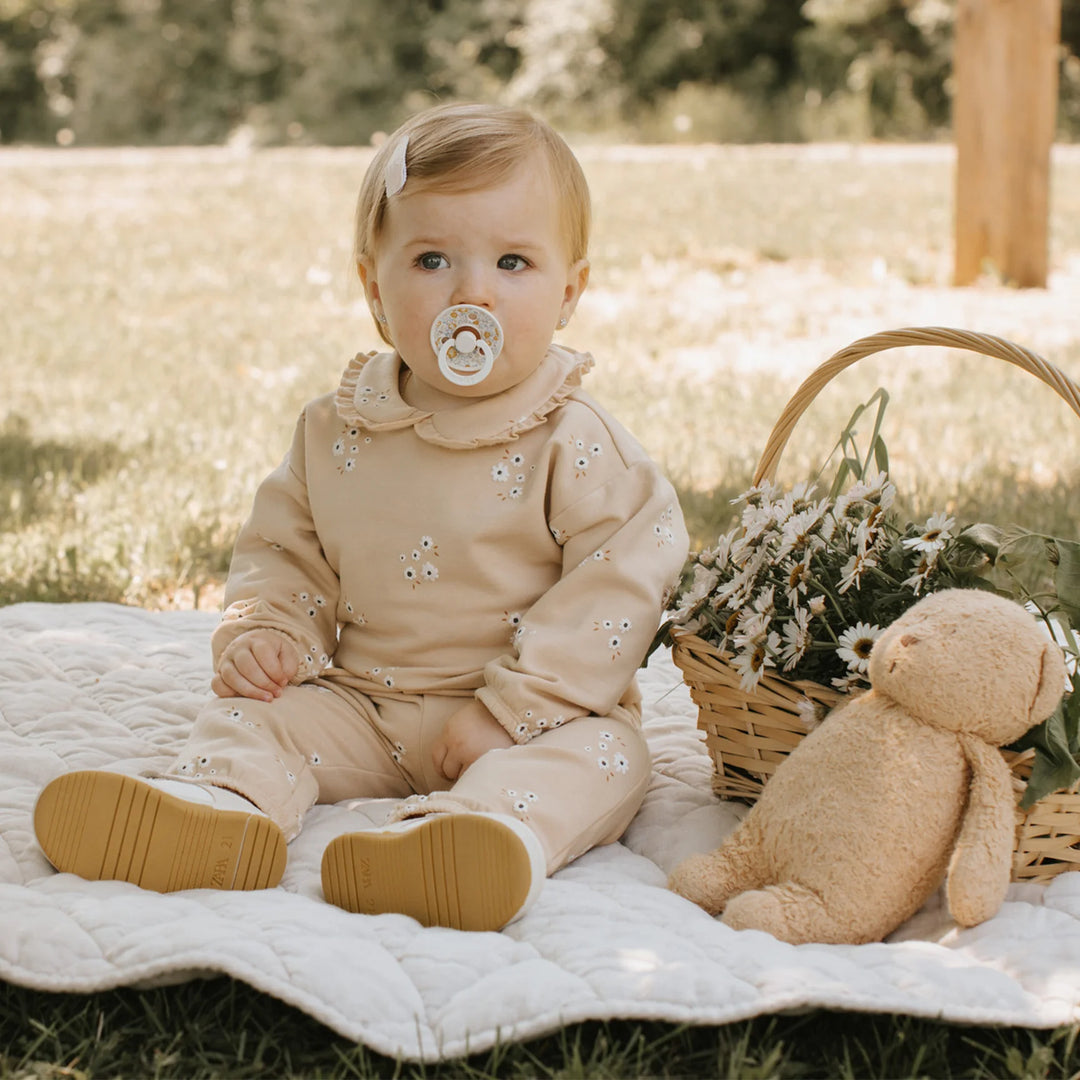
{"x": 469, "y": 871}
{"x": 164, "y": 835}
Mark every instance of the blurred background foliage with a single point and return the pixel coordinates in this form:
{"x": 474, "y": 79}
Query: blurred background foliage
{"x": 157, "y": 72}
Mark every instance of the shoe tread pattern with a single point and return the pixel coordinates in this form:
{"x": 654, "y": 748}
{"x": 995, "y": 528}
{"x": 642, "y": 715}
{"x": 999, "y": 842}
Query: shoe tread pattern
{"x": 455, "y": 870}
{"x": 107, "y": 826}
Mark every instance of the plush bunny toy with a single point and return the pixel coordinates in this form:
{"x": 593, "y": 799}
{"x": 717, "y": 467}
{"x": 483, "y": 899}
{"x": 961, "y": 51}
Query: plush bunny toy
{"x": 897, "y": 790}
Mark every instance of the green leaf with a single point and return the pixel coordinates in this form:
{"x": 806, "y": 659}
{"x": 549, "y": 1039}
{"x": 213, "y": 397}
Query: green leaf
{"x": 1054, "y": 766}
{"x": 851, "y": 465}
{"x": 983, "y": 537}
{"x": 1020, "y": 547}
{"x": 1071, "y": 715}
{"x": 881, "y": 395}
{"x": 881, "y": 455}
{"x": 1067, "y": 578}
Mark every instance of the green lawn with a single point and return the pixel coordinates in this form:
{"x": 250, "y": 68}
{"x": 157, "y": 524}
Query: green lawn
{"x": 167, "y": 313}
{"x": 172, "y": 310}
{"x": 227, "y": 1029}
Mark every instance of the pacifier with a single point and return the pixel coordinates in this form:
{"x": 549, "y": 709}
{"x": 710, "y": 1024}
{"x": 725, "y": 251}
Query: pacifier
{"x": 467, "y": 340}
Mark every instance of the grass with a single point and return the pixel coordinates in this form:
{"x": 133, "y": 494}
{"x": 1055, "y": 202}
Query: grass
{"x": 227, "y": 1029}
{"x": 174, "y": 309}
{"x": 167, "y": 314}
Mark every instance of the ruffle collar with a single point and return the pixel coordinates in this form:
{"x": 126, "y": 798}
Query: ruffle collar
{"x": 369, "y": 396}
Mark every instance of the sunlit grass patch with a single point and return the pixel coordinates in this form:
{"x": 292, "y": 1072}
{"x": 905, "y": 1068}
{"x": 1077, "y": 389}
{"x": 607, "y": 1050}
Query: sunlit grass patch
{"x": 172, "y": 311}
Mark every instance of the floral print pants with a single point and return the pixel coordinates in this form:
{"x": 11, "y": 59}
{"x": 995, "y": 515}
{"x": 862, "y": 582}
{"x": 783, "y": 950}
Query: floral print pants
{"x": 576, "y": 786}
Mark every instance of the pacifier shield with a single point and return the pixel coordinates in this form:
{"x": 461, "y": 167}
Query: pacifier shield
{"x": 467, "y": 340}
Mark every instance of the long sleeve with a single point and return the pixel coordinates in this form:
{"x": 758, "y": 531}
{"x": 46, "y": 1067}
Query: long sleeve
{"x": 623, "y": 542}
{"x": 279, "y": 578}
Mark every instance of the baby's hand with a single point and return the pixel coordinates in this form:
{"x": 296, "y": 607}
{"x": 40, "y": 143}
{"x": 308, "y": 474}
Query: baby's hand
{"x": 258, "y": 664}
{"x": 470, "y": 732}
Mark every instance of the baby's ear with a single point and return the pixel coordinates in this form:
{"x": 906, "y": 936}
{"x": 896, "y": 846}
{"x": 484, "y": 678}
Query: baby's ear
{"x": 577, "y": 278}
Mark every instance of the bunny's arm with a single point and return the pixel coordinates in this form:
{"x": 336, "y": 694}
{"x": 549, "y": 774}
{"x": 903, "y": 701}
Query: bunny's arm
{"x": 981, "y": 861}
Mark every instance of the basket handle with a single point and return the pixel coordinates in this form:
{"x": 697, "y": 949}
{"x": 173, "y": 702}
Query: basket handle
{"x": 988, "y": 344}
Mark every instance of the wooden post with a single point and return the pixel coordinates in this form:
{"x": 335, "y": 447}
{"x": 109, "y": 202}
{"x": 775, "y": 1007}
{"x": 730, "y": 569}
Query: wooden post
{"x": 1004, "y": 119}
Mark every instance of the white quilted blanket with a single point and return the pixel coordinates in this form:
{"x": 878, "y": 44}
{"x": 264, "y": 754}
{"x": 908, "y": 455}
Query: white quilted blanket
{"x": 88, "y": 685}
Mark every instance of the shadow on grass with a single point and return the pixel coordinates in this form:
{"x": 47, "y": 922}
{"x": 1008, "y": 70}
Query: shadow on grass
{"x": 708, "y": 514}
{"x": 34, "y": 474}
{"x": 224, "y": 1028}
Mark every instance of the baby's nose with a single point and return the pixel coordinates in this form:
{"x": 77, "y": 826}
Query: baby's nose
{"x": 473, "y": 287}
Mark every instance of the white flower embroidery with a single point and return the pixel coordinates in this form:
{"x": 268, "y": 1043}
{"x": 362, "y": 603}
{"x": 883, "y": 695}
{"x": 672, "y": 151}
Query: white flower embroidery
{"x": 520, "y": 801}
{"x": 428, "y": 571}
{"x": 665, "y": 534}
{"x": 610, "y": 763}
{"x": 510, "y": 466}
{"x": 359, "y": 619}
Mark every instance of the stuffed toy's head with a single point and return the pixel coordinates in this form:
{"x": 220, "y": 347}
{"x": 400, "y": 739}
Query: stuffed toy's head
{"x": 970, "y": 661}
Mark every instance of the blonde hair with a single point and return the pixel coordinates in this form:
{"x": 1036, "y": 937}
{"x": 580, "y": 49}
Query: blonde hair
{"x": 466, "y": 148}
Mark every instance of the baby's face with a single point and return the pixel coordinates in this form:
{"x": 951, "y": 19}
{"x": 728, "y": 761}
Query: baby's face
{"x": 501, "y": 248}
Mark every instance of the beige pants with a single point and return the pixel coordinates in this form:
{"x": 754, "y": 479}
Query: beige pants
{"x": 576, "y": 786}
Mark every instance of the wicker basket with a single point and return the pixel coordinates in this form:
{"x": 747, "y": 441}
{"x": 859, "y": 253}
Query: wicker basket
{"x": 749, "y": 734}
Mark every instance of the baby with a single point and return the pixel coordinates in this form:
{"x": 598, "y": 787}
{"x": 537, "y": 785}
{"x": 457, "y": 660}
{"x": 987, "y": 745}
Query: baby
{"x": 442, "y": 593}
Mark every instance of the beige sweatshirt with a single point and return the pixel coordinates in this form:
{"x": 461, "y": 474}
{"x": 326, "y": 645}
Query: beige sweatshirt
{"x": 517, "y": 547}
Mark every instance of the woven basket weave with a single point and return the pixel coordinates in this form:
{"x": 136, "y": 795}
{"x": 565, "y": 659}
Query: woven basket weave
{"x": 748, "y": 734}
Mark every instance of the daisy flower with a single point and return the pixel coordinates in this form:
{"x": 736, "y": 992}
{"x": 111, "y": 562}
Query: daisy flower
{"x": 855, "y": 645}
{"x": 796, "y": 638}
{"x": 936, "y": 533}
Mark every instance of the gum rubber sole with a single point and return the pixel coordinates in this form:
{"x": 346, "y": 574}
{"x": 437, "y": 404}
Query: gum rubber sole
{"x": 464, "y": 871}
{"x": 106, "y": 826}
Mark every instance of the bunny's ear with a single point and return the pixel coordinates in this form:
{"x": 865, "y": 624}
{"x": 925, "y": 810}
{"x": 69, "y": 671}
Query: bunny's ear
{"x": 1051, "y": 683}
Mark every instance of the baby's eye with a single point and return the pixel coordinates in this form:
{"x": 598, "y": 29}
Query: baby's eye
{"x": 513, "y": 262}
{"x": 432, "y": 260}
